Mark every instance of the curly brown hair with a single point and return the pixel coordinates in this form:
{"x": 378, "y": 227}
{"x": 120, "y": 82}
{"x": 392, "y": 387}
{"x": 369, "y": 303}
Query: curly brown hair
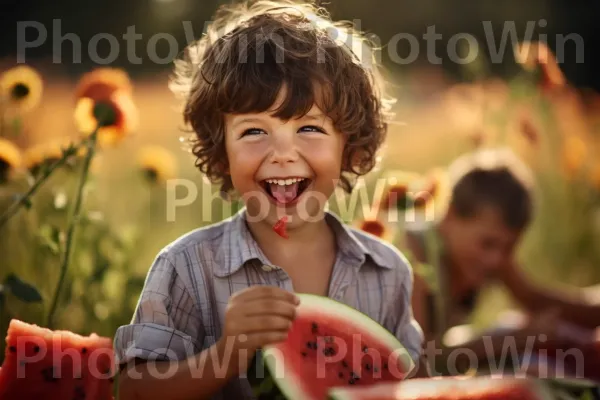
{"x": 253, "y": 49}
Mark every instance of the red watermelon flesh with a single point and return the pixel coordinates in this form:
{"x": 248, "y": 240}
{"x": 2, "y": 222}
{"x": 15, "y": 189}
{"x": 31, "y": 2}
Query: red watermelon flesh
{"x": 45, "y": 364}
{"x": 480, "y": 388}
{"x": 331, "y": 344}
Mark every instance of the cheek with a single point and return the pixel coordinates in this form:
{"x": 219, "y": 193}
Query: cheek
{"x": 244, "y": 159}
{"x": 325, "y": 158}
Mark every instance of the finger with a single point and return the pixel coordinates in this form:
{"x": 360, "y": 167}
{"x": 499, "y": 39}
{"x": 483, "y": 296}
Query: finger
{"x": 265, "y": 292}
{"x": 265, "y": 323}
{"x": 270, "y": 307}
{"x": 261, "y": 339}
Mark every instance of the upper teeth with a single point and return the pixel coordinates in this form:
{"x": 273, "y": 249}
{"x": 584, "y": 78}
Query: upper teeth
{"x": 285, "y": 181}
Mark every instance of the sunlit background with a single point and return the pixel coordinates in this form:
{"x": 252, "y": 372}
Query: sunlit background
{"x": 551, "y": 118}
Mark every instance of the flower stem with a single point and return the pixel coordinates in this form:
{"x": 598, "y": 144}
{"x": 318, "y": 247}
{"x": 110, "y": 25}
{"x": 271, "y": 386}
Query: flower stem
{"x": 24, "y": 199}
{"x": 91, "y": 147}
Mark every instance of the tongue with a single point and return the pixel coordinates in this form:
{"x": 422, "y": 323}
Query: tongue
{"x": 284, "y": 193}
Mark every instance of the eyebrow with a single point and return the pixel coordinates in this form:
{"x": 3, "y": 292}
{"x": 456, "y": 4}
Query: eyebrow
{"x": 310, "y": 116}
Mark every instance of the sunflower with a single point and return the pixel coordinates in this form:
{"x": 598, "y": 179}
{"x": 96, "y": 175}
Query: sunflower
{"x": 538, "y": 58}
{"x": 10, "y": 159}
{"x": 21, "y": 87}
{"x": 429, "y": 197}
{"x": 396, "y": 193}
{"x": 101, "y": 83}
{"x": 375, "y": 227}
{"x": 119, "y": 117}
{"x": 157, "y": 164}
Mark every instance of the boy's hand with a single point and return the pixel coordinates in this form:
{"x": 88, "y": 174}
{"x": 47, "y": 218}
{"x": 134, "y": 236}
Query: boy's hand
{"x": 258, "y": 316}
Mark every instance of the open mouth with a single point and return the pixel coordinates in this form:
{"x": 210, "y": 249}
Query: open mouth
{"x": 285, "y": 190}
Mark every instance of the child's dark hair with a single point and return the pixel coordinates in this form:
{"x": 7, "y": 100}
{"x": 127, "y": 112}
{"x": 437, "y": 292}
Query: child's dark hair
{"x": 254, "y": 49}
{"x": 496, "y": 178}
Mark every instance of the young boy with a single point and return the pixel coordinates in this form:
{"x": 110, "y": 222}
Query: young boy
{"x": 281, "y": 114}
{"x": 473, "y": 245}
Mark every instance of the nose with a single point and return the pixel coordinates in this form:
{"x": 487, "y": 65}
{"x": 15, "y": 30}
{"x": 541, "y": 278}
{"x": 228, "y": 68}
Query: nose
{"x": 284, "y": 147}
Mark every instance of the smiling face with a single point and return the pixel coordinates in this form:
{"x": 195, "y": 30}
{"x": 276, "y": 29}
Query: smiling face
{"x": 284, "y": 167}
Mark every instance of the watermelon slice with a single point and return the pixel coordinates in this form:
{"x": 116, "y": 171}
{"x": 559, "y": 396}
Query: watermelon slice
{"x": 329, "y": 344}
{"x": 480, "y": 388}
{"x": 45, "y": 364}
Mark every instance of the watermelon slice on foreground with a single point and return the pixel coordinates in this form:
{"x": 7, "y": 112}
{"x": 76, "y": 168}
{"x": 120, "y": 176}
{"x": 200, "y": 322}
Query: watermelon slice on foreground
{"x": 45, "y": 364}
{"x": 329, "y": 344}
{"x": 480, "y": 388}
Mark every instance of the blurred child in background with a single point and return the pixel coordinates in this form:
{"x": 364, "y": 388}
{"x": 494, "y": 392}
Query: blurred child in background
{"x": 474, "y": 243}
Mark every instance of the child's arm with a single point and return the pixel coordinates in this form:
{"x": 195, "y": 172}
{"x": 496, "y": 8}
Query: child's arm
{"x": 572, "y": 307}
{"x": 162, "y": 347}
{"x": 197, "y": 377}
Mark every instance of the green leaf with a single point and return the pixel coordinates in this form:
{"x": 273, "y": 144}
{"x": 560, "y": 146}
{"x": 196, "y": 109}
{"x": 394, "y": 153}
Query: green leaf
{"x": 22, "y": 290}
{"x": 50, "y": 236}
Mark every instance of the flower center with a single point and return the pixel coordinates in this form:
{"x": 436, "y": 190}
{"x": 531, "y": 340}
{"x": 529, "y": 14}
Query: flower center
{"x": 151, "y": 174}
{"x": 105, "y": 114}
{"x": 19, "y": 91}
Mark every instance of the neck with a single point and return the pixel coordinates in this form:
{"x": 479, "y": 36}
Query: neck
{"x": 307, "y": 238}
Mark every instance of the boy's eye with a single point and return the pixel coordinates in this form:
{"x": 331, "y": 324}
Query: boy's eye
{"x": 312, "y": 128}
{"x": 252, "y": 131}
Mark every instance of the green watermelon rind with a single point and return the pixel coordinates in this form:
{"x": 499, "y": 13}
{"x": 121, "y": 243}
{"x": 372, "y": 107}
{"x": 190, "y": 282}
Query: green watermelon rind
{"x": 329, "y": 307}
{"x": 423, "y": 387}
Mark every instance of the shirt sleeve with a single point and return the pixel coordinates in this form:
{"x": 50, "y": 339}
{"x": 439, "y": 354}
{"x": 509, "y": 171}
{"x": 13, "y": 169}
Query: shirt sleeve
{"x": 166, "y": 324}
{"x": 405, "y": 327}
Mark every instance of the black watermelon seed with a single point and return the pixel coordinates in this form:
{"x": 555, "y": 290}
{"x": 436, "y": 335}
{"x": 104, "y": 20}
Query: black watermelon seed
{"x": 375, "y": 369}
{"x": 49, "y": 374}
{"x": 84, "y": 350}
{"x": 344, "y": 364}
{"x": 351, "y": 381}
{"x": 367, "y": 367}
{"x": 365, "y": 349}
{"x": 36, "y": 349}
{"x": 341, "y": 375}
{"x": 354, "y": 376}
{"x": 315, "y": 327}
{"x": 111, "y": 379}
{"x": 304, "y": 354}
{"x": 12, "y": 349}
{"x": 314, "y": 345}
{"x": 309, "y": 345}
{"x": 384, "y": 365}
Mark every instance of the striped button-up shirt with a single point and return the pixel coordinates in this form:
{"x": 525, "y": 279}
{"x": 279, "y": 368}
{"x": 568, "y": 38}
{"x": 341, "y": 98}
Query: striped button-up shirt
{"x": 182, "y": 305}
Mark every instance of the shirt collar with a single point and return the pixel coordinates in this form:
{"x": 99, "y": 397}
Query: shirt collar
{"x": 239, "y": 246}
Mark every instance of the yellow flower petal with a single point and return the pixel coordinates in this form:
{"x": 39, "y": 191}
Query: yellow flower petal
{"x": 21, "y": 88}
{"x": 158, "y": 163}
